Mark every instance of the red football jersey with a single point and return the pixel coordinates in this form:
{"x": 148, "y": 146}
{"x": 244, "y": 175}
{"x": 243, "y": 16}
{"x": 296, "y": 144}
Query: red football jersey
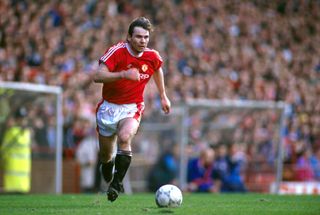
{"x": 118, "y": 58}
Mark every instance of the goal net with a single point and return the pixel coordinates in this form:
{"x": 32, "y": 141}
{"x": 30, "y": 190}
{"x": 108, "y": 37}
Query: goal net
{"x": 43, "y": 117}
{"x": 253, "y": 126}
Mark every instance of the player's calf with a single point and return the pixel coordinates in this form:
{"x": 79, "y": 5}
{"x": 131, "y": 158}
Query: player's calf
{"x": 107, "y": 171}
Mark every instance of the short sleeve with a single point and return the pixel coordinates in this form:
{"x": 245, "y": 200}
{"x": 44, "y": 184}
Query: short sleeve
{"x": 158, "y": 61}
{"x": 111, "y": 56}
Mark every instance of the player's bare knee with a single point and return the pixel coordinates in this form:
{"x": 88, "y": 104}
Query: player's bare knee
{"x": 125, "y": 137}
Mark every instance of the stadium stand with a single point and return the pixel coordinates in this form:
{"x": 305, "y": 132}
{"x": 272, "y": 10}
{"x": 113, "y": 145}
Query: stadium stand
{"x": 259, "y": 50}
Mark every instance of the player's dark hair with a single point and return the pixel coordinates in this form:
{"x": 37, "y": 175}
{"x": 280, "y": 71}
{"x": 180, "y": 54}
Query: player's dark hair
{"x": 140, "y": 22}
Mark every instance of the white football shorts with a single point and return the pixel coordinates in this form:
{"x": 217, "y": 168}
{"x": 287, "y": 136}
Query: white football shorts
{"x": 108, "y": 115}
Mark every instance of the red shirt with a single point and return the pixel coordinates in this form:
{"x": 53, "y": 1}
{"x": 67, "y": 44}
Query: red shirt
{"x": 118, "y": 58}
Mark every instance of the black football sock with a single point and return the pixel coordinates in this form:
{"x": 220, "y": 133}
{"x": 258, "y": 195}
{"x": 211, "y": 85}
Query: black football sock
{"x": 106, "y": 170}
{"x": 122, "y": 163}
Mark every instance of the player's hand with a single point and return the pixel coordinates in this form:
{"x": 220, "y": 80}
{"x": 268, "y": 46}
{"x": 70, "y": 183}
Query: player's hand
{"x": 131, "y": 74}
{"x": 166, "y": 104}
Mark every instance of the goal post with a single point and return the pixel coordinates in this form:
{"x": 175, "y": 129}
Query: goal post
{"x": 17, "y": 94}
{"x": 249, "y": 105}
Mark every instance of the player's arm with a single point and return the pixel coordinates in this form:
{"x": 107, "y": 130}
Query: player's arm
{"x": 159, "y": 80}
{"x": 103, "y": 75}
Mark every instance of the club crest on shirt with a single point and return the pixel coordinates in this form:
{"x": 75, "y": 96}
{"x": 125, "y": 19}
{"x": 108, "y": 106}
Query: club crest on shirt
{"x": 144, "y": 67}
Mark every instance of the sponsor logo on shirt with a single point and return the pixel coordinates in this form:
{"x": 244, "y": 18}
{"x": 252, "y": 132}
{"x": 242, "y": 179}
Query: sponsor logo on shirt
{"x": 144, "y": 76}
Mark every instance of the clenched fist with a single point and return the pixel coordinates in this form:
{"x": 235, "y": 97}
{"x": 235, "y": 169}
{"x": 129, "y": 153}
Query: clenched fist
{"x": 131, "y": 74}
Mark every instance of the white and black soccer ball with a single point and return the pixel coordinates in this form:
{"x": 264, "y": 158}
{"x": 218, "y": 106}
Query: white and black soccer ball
{"x": 169, "y": 196}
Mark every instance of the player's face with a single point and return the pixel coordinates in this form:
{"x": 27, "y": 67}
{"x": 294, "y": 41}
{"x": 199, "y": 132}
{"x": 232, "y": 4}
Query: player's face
{"x": 139, "y": 39}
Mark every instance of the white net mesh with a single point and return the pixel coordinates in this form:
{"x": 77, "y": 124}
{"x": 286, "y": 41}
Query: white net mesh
{"x": 247, "y": 132}
{"x": 40, "y": 108}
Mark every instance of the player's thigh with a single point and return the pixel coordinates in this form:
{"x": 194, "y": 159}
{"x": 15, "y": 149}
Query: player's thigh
{"x": 127, "y": 128}
{"x": 107, "y": 145}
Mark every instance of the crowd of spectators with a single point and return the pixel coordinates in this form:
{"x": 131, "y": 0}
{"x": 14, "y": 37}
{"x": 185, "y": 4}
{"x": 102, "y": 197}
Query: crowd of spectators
{"x": 257, "y": 50}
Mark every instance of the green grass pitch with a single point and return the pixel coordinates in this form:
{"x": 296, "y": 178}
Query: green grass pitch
{"x": 195, "y": 204}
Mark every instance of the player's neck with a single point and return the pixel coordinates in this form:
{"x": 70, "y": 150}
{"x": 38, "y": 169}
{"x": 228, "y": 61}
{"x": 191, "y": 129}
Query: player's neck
{"x": 132, "y": 51}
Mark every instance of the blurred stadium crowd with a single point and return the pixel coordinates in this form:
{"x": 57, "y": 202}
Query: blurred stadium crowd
{"x": 257, "y": 50}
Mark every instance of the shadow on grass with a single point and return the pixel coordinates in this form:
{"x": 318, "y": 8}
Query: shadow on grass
{"x": 166, "y": 211}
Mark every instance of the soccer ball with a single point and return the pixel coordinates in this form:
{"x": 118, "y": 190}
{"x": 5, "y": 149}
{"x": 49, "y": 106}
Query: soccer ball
{"x": 168, "y": 196}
